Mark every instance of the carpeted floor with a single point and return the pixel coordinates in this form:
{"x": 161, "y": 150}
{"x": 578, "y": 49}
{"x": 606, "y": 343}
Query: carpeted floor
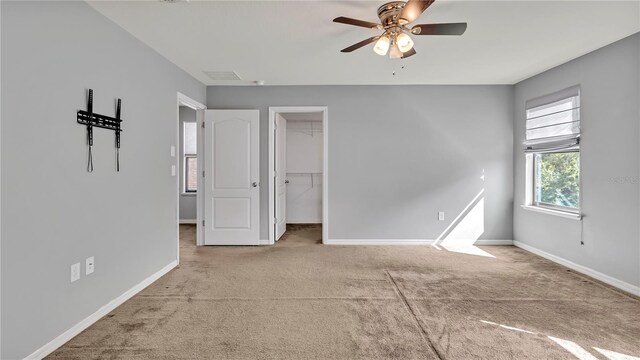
{"x": 303, "y": 300}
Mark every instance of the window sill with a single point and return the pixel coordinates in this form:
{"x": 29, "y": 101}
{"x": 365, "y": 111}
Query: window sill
{"x": 188, "y": 194}
{"x": 564, "y": 214}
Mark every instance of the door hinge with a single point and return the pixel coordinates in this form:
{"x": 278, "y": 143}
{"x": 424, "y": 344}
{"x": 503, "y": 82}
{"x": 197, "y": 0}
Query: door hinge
{"x": 203, "y": 124}
{"x": 202, "y": 222}
{"x": 202, "y": 173}
{"x": 275, "y": 220}
{"x": 275, "y": 126}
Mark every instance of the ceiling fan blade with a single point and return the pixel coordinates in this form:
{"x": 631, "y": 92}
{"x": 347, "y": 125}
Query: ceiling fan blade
{"x": 356, "y": 22}
{"x": 362, "y": 43}
{"x": 439, "y": 29}
{"x": 409, "y": 53}
{"x": 412, "y": 10}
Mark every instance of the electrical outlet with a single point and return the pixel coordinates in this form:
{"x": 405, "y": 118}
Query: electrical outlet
{"x": 441, "y": 215}
{"x": 75, "y": 272}
{"x": 173, "y": 170}
{"x": 173, "y": 151}
{"x": 89, "y": 265}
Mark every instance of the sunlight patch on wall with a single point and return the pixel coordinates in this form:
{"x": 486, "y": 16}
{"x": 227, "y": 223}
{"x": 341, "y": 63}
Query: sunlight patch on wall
{"x": 469, "y": 228}
{"x": 466, "y": 229}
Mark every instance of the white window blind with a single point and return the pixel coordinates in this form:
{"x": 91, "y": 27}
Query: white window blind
{"x": 190, "y": 138}
{"x": 553, "y": 121}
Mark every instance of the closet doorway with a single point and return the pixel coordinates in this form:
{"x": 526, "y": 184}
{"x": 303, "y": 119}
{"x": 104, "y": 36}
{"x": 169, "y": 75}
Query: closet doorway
{"x": 297, "y": 168}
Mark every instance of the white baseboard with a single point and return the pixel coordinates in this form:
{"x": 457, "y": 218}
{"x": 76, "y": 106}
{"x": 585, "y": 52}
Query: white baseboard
{"x": 305, "y": 221}
{"x": 264, "y": 242}
{"x": 406, "y": 242}
{"x": 378, "y": 242}
{"x": 188, "y": 221}
{"x": 624, "y": 286}
{"x": 88, "y": 321}
{"x": 493, "y": 242}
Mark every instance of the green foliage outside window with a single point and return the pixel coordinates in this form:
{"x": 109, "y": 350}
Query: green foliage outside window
{"x": 558, "y": 179}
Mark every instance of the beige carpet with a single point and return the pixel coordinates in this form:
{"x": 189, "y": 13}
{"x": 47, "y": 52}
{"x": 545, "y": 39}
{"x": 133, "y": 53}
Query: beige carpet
{"x": 303, "y": 300}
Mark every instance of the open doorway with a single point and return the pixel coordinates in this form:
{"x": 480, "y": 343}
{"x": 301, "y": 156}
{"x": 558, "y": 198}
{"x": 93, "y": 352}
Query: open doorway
{"x": 190, "y": 114}
{"x": 297, "y": 169}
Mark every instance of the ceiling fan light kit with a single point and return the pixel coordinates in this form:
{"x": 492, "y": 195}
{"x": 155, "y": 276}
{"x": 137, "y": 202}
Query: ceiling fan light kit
{"x": 382, "y": 45}
{"x": 394, "y": 16}
{"x": 395, "y": 52}
{"x": 404, "y": 42}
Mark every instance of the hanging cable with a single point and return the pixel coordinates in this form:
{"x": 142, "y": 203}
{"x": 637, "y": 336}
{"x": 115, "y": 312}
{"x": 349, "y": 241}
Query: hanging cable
{"x": 118, "y": 135}
{"x": 90, "y": 130}
{"x": 90, "y": 140}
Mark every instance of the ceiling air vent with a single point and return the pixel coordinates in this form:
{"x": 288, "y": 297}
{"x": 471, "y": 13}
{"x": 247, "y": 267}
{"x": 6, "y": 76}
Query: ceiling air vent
{"x": 222, "y": 75}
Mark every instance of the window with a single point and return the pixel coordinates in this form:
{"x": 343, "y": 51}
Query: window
{"x": 557, "y": 179}
{"x": 552, "y": 149}
{"x": 189, "y": 146}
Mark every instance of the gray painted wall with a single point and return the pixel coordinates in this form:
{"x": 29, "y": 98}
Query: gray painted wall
{"x": 400, "y": 154}
{"x": 188, "y": 204}
{"x": 609, "y": 155}
{"x": 54, "y": 213}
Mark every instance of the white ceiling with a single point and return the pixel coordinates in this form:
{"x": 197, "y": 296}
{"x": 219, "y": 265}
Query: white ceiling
{"x": 296, "y": 42}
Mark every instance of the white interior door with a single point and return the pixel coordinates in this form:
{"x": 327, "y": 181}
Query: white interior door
{"x": 232, "y": 172}
{"x": 280, "y": 176}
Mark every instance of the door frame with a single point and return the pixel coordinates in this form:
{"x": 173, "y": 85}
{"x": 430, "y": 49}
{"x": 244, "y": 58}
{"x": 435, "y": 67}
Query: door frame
{"x": 184, "y": 100}
{"x": 273, "y": 110}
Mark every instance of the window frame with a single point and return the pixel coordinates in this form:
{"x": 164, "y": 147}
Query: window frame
{"x": 533, "y": 174}
{"x": 186, "y": 189}
{"x": 185, "y": 157}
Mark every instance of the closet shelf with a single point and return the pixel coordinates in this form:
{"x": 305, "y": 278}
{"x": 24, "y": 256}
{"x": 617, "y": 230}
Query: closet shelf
{"x": 306, "y": 130}
{"x": 308, "y": 173}
{"x": 310, "y": 129}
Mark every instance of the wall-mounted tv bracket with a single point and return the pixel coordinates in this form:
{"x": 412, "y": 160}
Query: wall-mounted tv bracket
{"x": 90, "y": 119}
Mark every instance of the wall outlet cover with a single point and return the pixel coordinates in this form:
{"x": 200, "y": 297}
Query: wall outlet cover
{"x": 441, "y": 215}
{"x": 173, "y": 151}
{"x": 173, "y": 170}
{"x": 75, "y": 272}
{"x": 89, "y": 266}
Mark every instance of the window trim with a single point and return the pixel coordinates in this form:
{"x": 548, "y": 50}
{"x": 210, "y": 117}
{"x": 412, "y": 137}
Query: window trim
{"x": 185, "y": 156}
{"x": 563, "y": 214}
{"x": 530, "y": 185}
{"x": 534, "y": 173}
{"x": 186, "y": 191}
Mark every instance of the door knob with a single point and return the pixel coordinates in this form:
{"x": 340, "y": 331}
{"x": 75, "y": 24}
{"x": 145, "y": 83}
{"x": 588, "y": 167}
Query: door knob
{"x": 286, "y": 181}
{"x": 255, "y": 184}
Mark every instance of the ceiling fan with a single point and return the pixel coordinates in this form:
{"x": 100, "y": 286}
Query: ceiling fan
{"x": 394, "y": 18}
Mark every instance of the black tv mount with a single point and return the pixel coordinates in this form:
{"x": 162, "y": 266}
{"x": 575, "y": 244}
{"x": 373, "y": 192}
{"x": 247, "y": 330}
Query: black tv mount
{"x": 91, "y": 120}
